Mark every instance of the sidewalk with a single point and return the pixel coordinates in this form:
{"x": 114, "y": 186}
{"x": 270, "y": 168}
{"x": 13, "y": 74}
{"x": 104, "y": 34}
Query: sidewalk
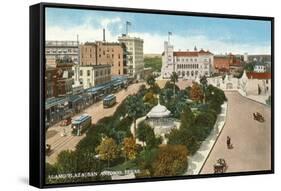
{"x": 196, "y": 162}
{"x": 258, "y": 98}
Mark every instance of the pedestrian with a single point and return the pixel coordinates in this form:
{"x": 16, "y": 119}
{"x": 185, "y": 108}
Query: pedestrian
{"x": 228, "y": 141}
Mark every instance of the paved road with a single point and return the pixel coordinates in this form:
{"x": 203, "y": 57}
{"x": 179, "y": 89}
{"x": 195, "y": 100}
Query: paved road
{"x": 60, "y": 143}
{"x": 251, "y": 139}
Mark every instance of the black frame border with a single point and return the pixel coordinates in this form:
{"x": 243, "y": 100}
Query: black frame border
{"x": 37, "y": 96}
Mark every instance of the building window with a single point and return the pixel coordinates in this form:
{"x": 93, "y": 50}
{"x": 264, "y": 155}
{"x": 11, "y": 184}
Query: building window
{"x": 88, "y": 72}
{"x": 81, "y": 72}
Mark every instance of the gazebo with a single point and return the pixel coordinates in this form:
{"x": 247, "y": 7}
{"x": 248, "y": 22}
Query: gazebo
{"x": 159, "y": 119}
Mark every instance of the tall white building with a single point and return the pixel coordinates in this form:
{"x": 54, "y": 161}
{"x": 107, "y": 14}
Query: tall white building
{"x": 134, "y": 49}
{"x": 187, "y": 64}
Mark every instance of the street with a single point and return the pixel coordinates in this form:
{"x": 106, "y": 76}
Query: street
{"x": 251, "y": 139}
{"x": 58, "y": 142}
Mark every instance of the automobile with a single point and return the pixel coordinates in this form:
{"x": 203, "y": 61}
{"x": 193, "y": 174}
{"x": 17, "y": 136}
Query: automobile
{"x": 66, "y": 122}
{"x": 257, "y": 116}
{"x": 220, "y": 166}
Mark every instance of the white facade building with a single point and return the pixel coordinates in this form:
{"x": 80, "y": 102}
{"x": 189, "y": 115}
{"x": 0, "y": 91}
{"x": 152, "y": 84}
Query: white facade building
{"x": 187, "y": 64}
{"x": 251, "y": 83}
{"x": 135, "y": 61}
{"x": 260, "y": 68}
{"x": 63, "y": 50}
{"x": 92, "y": 75}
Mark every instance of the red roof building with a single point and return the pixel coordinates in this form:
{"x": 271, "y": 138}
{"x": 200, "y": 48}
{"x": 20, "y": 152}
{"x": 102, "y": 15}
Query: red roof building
{"x": 225, "y": 62}
{"x": 191, "y": 53}
{"x": 257, "y": 75}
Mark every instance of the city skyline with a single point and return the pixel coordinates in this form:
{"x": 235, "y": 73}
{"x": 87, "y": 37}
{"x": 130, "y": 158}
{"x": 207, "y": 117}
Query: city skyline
{"x": 219, "y": 35}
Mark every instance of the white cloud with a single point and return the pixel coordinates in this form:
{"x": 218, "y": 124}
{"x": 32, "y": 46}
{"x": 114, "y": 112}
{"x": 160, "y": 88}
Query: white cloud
{"x": 108, "y": 21}
{"x": 153, "y": 43}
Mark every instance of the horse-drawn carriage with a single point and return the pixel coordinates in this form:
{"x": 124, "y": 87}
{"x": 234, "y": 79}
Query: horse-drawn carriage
{"x": 257, "y": 116}
{"x": 220, "y": 166}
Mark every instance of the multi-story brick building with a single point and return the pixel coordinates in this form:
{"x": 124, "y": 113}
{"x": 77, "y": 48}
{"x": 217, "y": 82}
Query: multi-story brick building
{"x": 228, "y": 63}
{"x": 58, "y": 78}
{"x": 101, "y": 52}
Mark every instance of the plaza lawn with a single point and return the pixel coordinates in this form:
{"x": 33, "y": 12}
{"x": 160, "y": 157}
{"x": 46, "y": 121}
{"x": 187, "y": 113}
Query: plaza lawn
{"x": 197, "y": 119}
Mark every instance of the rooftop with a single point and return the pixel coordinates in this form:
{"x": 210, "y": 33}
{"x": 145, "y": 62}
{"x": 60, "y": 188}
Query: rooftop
{"x": 158, "y": 111}
{"x": 191, "y": 53}
{"x": 256, "y": 75}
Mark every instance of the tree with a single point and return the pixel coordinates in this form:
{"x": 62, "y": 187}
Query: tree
{"x": 67, "y": 162}
{"x": 130, "y": 148}
{"x": 150, "y": 80}
{"x": 153, "y": 62}
{"x": 107, "y": 150}
{"x": 146, "y": 134}
{"x": 135, "y": 108}
{"x": 187, "y": 117}
{"x": 204, "y": 83}
{"x": 174, "y": 79}
{"x": 171, "y": 160}
{"x": 215, "y": 97}
{"x": 196, "y": 93}
{"x": 150, "y": 98}
{"x": 249, "y": 67}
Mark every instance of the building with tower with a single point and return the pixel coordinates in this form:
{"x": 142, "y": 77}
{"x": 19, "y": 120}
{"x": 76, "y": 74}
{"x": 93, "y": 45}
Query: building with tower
{"x": 187, "y": 64}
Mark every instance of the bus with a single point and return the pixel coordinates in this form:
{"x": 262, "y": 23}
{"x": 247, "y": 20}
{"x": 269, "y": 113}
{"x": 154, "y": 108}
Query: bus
{"x": 80, "y": 124}
{"x": 109, "y": 101}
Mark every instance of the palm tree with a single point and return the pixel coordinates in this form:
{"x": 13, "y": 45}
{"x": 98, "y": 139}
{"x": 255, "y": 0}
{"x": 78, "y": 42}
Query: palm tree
{"x": 174, "y": 79}
{"x": 150, "y": 80}
{"x": 135, "y": 108}
{"x": 204, "y": 83}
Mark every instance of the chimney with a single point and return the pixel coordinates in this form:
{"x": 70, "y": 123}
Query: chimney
{"x": 103, "y": 32}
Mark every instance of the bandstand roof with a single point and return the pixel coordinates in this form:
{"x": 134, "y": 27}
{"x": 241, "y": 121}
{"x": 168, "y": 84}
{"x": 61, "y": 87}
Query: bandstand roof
{"x": 158, "y": 111}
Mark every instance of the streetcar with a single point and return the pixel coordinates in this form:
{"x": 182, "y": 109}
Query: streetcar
{"x": 109, "y": 101}
{"x": 80, "y": 124}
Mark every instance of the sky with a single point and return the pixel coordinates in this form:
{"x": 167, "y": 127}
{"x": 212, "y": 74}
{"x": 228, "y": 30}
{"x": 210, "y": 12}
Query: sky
{"x": 218, "y": 35}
